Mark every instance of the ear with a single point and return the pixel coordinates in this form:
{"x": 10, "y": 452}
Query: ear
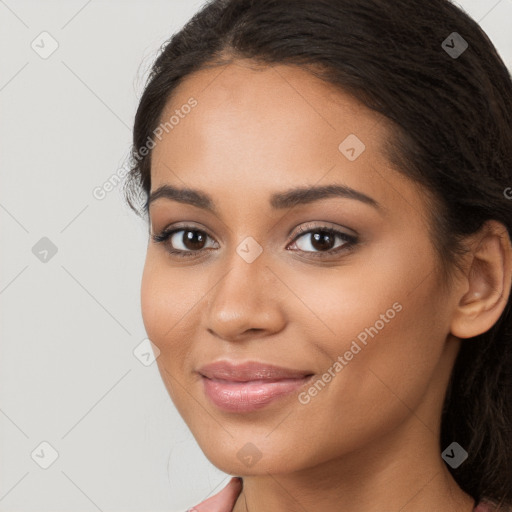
{"x": 486, "y": 283}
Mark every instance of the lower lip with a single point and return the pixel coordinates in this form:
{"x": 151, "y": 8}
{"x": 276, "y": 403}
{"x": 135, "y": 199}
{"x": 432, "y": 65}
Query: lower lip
{"x": 249, "y": 396}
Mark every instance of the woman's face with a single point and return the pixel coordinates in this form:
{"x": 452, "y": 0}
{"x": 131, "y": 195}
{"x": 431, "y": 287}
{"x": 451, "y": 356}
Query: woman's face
{"x": 360, "y": 310}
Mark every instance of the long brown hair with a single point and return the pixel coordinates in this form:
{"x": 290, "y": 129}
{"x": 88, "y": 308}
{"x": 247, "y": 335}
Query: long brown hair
{"x": 452, "y": 132}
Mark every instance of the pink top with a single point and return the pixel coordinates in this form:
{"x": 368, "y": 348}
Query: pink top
{"x": 224, "y": 500}
{"x": 483, "y": 507}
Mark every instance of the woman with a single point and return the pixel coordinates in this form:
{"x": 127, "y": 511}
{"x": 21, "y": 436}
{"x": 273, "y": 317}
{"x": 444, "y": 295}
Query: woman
{"x": 328, "y": 276}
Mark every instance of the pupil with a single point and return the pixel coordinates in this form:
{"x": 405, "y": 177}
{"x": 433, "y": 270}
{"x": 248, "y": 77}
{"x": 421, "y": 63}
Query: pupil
{"x": 193, "y": 238}
{"x": 322, "y": 241}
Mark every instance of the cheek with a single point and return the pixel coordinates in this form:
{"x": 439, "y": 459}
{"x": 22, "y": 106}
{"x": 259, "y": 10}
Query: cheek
{"x": 375, "y": 387}
{"x": 169, "y": 303}
{"x": 169, "y": 310}
{"x": 154, "y": 296}
{"x": 388, "y": 323}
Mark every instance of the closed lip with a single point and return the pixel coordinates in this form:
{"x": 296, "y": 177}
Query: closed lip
{"x": 249, "y": 371}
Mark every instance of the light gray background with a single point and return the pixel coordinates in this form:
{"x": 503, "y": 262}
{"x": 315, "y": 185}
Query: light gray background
{"x": 69, "y": 326}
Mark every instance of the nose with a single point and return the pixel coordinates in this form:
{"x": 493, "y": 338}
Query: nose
{"x": 247, "y": 301}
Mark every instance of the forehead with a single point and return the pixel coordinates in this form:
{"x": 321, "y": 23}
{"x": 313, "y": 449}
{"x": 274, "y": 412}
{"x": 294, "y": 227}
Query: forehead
{"x": 267, "y": 128}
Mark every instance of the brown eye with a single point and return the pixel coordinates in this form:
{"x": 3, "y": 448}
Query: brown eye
{"x": 184, "y": 241}
{"x": 192, "y": 240}
{"x": 323, "y": 240}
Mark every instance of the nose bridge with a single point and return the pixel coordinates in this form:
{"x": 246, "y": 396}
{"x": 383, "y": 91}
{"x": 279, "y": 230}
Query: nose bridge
{"x": 244, "y": 298}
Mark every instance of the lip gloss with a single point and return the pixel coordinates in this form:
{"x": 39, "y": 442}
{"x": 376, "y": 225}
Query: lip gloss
{"x": 251, "y": 395}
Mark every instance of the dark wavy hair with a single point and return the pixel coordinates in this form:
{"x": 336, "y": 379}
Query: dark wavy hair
{"x": 451, "y": 131}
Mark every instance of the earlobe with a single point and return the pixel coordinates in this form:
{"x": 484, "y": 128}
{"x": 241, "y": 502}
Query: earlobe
{"x": 487, "y": 282}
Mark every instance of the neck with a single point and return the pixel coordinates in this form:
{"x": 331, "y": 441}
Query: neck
{"x": 395, "y": 472}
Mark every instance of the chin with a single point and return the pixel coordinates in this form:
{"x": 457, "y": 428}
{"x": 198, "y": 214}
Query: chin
{"x": 248, "y": 454}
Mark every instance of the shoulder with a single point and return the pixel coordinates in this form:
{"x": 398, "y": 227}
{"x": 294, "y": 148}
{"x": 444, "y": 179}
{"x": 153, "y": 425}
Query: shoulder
{"x": 489, "y": 506}
{"x": 223, "y": 501}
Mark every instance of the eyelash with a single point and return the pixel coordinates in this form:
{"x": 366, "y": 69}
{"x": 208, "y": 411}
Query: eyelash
{"x": 350, "y": 241}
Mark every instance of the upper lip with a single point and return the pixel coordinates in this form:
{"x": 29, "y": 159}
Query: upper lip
{"x": 250, "y": 370}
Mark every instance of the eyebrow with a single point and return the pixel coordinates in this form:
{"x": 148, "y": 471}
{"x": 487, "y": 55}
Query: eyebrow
{"x": 281, "y": 200}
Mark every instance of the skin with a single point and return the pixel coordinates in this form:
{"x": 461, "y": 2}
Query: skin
{"x": 370, "y": 437}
